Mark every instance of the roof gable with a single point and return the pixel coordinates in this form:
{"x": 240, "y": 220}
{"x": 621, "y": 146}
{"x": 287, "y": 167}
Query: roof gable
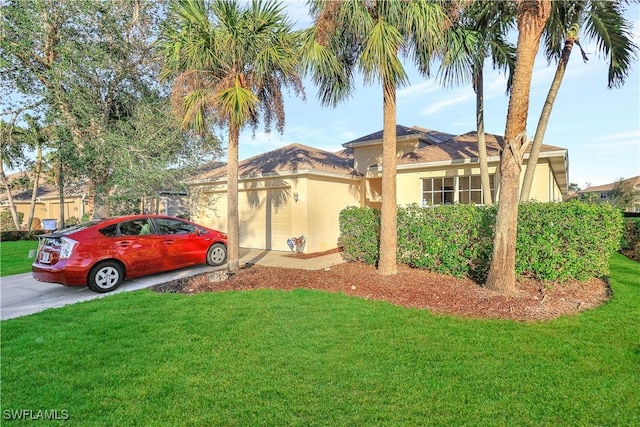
{"x": 291, "y": 158}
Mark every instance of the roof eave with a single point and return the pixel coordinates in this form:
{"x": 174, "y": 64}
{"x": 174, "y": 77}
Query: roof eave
{"x": 285, "y": 174}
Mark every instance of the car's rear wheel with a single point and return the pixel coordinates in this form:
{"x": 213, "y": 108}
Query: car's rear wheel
{"x": 217, "y": 254}
{"x": 105, "y": 277}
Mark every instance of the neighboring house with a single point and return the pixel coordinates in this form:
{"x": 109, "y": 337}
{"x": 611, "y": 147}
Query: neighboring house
{"x": 299, "y": 190}
{"x": 603, "y": 193}
{"x": 76, "y": 202}
{"x": 48, "y": 202}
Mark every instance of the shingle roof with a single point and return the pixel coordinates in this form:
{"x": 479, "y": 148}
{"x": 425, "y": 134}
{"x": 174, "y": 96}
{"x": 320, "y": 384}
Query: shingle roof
{"x": 634, "y": 181}
{"x": 460, "y": 147}
{"x": 428, "y": 135}
{"x": 45, "y": 189}
{"x": 291, "y": 158}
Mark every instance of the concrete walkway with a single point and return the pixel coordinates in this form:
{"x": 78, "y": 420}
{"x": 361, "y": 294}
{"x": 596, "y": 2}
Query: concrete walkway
{"x": 21, "y": 294}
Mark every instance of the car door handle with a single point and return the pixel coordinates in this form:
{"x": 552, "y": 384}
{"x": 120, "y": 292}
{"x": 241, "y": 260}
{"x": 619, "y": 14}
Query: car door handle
{"x": 168, "y": 242}
{"x": 124, "y": 244}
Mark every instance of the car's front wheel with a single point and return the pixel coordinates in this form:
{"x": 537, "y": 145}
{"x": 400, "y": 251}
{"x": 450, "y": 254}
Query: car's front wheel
{"x": 105, "y": 277}
{"x": 217, "y": 254}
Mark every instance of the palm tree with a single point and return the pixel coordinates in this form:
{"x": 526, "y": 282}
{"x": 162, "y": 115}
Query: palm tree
{"x": 35, "y": 137}
{"x": 230, "y": 63}
{"x": 531, "y": 19}
{"x": 367, "y": 37}
{"x": 604, "y": 21}
{"x": 479, "y": 33}
{"x": 11, "y": 155}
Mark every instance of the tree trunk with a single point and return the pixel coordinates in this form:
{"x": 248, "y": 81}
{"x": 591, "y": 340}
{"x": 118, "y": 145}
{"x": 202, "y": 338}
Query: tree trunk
{"x": 61, "y": 195}
{"x": 532, "y": 16}
{"x": 99, "y": 197}
{"x": 544, "y": 120}
{"x": 233, "y": 220}
{"x": 387, "y": 263}
{"x": 12, "y": 205}
{"x": 482, "y": 143}
{"x": 36, "y": 184}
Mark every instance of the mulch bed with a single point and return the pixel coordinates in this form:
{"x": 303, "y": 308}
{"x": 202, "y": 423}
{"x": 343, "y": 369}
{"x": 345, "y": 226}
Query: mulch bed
{"x": 414, "y": 288}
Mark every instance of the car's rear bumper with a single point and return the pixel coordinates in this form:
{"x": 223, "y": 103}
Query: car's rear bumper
{"x": 61, "y": 273}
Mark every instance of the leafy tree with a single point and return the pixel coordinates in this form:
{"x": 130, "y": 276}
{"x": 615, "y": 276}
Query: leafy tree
{"x": 532, "y": 17}
{"x": 479, "y": 33}
{"x": 604, "y": 22}
{"x": 94, "y": 66}
{"x": 574, "y": 187}
{"x": 229, "y": 64}
{"x": 623, "y": 195}
{"x": 369, "y": 37}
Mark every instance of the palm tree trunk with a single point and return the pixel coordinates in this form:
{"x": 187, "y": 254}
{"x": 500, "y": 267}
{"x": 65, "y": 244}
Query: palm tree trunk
{"x": 36, "y": 184}
{"x": 544, "y": 120}
{"x": 233, "y": 221}
{"x": 61, "y": 190}
{"x": 482, "y": 142}
{"x": 387, "y": 264}
{"x": 12, "y": 205}
{"x": 532, "y": 16}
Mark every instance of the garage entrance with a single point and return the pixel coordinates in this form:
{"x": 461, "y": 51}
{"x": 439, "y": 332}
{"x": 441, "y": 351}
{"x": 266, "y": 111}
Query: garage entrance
{"x": 265, "y": 218}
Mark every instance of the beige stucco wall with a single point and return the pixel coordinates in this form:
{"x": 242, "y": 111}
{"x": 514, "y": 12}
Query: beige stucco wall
{"x": 328, "y": 196}
{"x": 544, "y": 187}
{"x": 372, "y": 154}
{"x": 269, "y": 213}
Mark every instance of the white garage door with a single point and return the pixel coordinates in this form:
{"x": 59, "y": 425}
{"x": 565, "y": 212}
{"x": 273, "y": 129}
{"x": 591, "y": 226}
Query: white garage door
{"x": 265, "y": 218}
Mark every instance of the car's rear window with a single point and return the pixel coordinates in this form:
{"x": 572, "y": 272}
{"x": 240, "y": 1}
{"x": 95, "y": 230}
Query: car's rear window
{"x": 77, "y": 227}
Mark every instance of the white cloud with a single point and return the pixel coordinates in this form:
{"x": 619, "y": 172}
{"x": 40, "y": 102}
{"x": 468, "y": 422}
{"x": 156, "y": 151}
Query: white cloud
{"x": 418, "y": 90}
{"x": 460, "y": 96}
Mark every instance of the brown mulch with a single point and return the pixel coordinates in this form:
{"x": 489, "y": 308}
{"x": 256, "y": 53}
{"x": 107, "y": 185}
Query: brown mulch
{"x": 415, "y": 288}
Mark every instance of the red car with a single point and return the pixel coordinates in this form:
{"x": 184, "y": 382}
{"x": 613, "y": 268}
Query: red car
{"x": 102, "y": 253}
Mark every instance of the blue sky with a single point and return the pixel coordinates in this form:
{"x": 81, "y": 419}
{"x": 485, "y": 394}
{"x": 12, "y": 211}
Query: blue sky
{"x": 600, "y": 127}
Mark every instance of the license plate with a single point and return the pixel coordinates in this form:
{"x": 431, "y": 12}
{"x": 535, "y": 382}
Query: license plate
{"x": 45, "y": 257}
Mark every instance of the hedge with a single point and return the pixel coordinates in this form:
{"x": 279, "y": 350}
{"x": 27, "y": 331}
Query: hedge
{"x": 555, "y": 242}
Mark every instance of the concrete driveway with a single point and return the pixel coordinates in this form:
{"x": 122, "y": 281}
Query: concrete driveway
{"x": 22, "y": 294}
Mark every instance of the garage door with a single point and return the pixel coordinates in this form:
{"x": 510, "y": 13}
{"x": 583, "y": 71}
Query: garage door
{"x": 265, "y": 218}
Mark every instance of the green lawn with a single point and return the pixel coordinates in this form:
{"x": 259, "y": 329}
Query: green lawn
{"x": 312, "y": 358}
{"x": 14, "y": 257}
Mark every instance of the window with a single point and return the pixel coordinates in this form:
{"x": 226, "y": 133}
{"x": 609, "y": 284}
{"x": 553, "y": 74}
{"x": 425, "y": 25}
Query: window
{"x": 471, "y": 189}
{"x": 463, "y": 189}
{"x": 131, "y": 228}
{"x": 603, "y": 195}
{"x": 174, "y": 226}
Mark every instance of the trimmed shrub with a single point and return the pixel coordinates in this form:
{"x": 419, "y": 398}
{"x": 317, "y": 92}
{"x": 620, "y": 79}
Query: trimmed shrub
{"x": 631, "y": 238}
{"x": 556, "y": 241}
{"x": 359, "y": 234}
{"x": 6, "y": 220}
{"x": 446, "y": 239}
{"x": 559, "y": 241}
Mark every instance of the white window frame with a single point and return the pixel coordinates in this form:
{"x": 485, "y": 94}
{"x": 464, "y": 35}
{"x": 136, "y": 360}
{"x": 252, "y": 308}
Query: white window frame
{"x": 450, "y": 190}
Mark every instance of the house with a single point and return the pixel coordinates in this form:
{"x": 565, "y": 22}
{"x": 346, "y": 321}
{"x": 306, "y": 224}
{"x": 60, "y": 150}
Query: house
{"x": 603, "y": 193}
{"x": 299, "y": 190}
{"x": 77, "y": 201}
{"x": 48, "y": 206}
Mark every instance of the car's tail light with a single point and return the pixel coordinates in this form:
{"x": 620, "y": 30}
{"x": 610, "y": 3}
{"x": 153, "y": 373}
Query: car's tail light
{"x": 67, "y": 246}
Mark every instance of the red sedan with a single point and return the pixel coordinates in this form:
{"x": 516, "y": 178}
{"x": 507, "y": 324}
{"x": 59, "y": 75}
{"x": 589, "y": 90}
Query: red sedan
{"x": 102, "y": 253}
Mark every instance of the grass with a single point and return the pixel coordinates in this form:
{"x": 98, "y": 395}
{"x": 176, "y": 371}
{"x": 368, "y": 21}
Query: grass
{"x": 14, "y": 257}
{"x": 312, "y": 358}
